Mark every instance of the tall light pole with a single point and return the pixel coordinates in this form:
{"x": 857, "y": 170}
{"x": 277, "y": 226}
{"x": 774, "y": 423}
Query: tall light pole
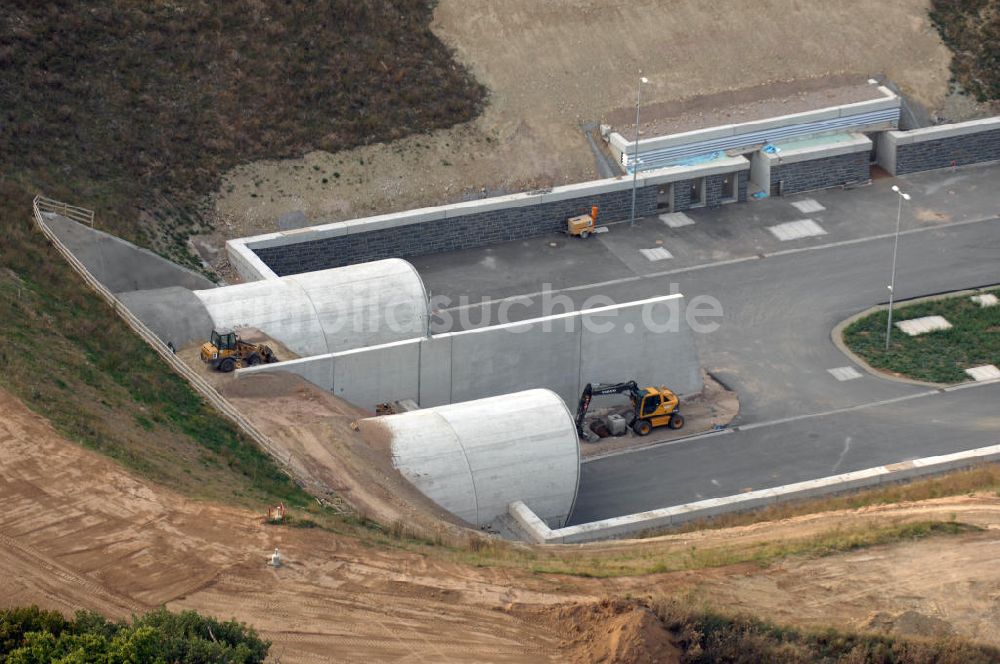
{"x": 892, "y": 278}
{"x": 635, "y": 165}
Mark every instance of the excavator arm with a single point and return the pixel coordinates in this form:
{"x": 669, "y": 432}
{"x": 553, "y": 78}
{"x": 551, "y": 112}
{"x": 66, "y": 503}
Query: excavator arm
{"x": 603, "y": 389}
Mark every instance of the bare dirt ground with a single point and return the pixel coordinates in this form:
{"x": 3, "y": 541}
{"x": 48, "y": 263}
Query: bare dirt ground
{"x": 553, "y": 66}
{"x": 77, "y": 531}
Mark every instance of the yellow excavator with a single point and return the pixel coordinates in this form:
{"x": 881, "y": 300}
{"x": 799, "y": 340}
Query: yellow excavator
{"x": 651, "y": 406}
{"x": 226, "y": 351}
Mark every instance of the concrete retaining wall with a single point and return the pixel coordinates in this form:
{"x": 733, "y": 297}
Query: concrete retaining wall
{"x": 631, "y": 524}
{"x": 977, "y": 141}
{"x": 562, "y": 353}
{"x": 464, "y": 225}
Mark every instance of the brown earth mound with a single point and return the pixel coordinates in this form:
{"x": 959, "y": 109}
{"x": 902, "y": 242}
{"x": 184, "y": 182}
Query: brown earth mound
{"x": 610, "y": 631}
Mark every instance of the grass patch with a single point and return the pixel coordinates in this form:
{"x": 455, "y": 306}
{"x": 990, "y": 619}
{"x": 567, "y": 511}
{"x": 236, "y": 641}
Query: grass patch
{"x": 761, "y": 553}
{"x": 706, "y": 636}
{"x": 937, "y": 357}
{"x": 135, "y": 110}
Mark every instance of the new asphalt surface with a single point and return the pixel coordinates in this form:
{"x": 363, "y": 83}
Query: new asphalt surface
{"x": 779, "y": 302}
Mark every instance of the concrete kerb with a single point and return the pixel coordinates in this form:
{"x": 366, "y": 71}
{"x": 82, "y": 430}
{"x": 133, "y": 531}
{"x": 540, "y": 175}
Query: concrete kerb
{"x": 837, "y": 335}
{"x": 679, "y": 514}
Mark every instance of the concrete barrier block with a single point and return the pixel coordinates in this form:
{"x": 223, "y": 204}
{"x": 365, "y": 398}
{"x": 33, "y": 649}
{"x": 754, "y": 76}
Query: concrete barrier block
{"x": 532, "y": 525}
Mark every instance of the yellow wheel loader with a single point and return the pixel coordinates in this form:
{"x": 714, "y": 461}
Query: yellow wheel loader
{"x": 226, "y": 351}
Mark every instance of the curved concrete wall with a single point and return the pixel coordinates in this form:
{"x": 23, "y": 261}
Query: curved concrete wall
{"x": 330, "y": 310}
{"x": 475, "y": 458}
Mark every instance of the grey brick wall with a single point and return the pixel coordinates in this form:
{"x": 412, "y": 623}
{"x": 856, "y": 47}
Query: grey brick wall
{"x": 843, "y": 169}
{"x": 466, "y": 232}
{"x": 955, "y": 150}
{"x": 713, "y": 191}
{"x": 476, "y": 230}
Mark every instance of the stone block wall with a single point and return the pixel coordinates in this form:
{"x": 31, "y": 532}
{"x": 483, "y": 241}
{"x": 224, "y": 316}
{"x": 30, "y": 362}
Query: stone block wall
{"x": 454, "y": 233}
{"x": 808, "y": 175}
{"x": 713, "y": 191}
{"x": 951, "y": 151}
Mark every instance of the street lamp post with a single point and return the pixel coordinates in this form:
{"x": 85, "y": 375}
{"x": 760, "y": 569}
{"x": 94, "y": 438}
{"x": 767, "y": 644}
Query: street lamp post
{"x": 635, "y": 165}
{"x": 892, "y": 278}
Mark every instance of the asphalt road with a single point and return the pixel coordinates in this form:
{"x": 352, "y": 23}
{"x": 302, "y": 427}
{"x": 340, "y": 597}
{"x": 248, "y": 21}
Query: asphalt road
{"x": 785, "y": 452}
{"x": 780, "y": 301}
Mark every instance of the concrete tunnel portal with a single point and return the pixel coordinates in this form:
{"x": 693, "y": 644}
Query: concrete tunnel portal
{"x": 477, "y": 457}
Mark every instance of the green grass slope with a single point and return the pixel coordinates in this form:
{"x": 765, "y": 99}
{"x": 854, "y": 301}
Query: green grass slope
{"x": 135, "y": 110}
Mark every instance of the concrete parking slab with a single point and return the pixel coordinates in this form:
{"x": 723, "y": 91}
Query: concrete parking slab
{"x": 984, "y": 373}
{"x": 676, "y": 219}
{"x": 808, "y": 206}
{"x": 796, "y": 230}
{"x": 845, "y": 373}
{"x": 923, "y": 325}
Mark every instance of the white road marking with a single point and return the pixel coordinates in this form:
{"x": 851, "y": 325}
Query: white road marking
{"x": 796, "y": 230}
{"x": 923, "y": 325}
{"x": 985, "y": 372}
{"x": 676, "y": 219}
{"x": 808, "y": 206}
{"x": 729, "y": 261}
{"x": 844, "y": 373}
{"x": 657, "y": 254}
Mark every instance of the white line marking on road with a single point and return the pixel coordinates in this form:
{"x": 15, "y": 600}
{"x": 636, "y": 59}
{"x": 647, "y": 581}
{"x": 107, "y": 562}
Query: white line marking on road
{"x": 840, "y": 460}
{"x": 657, "y": 254}
{"x": 836, "y": 411}
{"x": 676, "y": 219}
{"x": 808, "y": 206}
{"x": 730, "y": 261}
{"x": 845, "y": 373}
{"x": 796, "y": 230}
{"x": 983, "y": 373}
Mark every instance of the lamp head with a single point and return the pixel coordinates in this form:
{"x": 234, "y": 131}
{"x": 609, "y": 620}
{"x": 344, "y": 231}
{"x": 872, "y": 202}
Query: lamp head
{"x": 906, "y": 197}
{"x": 895, "y": 188}
{"x": 644, "y": 80}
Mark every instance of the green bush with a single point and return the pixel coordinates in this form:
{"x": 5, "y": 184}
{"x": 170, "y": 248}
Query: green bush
{"x": 707, "y": 637}
{"x": 33, "y": 636}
